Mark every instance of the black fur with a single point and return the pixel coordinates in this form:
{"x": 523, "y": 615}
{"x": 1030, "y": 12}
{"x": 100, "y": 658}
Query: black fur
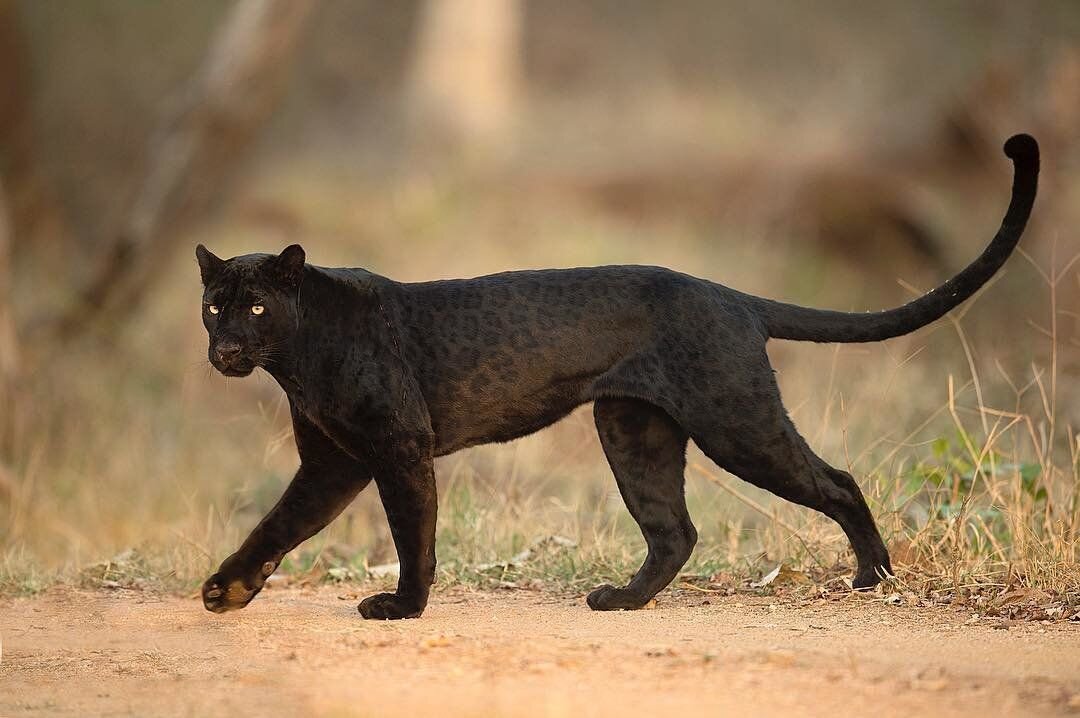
{"x": 383, "y": 376}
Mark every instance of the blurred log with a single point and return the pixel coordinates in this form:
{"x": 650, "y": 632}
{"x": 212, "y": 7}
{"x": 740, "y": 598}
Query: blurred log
{"x": 194, "y": 150}
{"x": 466, "y": 69}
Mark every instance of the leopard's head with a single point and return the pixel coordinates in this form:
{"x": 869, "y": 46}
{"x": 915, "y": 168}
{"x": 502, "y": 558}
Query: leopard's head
{"x": 249, "y": 307}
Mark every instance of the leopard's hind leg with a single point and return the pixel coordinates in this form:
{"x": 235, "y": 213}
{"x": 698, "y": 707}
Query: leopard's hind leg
{"x": 646, "y": 449}
{"x": 747, "y": 431}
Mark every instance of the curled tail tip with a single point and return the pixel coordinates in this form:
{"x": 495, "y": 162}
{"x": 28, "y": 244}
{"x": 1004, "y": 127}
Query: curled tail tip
{"x": 1022, "y": 149}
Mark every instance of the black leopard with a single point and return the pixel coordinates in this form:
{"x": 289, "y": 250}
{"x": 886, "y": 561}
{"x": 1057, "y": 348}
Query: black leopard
{"x": 383, "y": 376}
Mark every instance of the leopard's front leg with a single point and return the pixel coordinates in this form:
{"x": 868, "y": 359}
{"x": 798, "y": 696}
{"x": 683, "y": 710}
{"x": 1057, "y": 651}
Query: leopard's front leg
{"x": 406, "y": 481}
{"x": 327, "y": 481}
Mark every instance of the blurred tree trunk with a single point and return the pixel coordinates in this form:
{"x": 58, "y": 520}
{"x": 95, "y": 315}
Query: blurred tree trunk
{"x": 33, "y": 210}
{"x": 194, "y": 150}
{"x": 14, "y": 95}
{"x": 9, "y": 354}
{"x": 14, "y": 148}
{"x": 9, "y": 348}
{"x": 466, "y": 70}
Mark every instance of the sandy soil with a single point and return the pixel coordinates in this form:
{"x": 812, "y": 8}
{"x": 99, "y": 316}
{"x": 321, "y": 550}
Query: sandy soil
{"x": 521, "y": 653}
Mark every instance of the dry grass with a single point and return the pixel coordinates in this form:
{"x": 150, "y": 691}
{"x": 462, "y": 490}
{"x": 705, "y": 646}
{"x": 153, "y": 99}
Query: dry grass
{"x": 963, "y": 444}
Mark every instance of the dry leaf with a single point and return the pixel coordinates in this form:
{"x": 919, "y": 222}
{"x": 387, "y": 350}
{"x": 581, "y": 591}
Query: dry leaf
{"x": 767, "y": 578}
{"x": 782, "y": 575}
{"x": 1021, "y": 595}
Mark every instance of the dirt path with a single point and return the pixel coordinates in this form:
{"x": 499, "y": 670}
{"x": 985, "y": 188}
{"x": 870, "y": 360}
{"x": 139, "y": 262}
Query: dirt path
{"x": 307, "y": 652}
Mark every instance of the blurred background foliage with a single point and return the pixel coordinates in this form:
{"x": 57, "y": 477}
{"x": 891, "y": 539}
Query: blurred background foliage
{"x": 816, "y": 152}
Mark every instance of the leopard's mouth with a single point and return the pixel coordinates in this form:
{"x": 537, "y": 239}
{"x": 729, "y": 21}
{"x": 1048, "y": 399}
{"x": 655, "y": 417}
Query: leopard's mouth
{"x": 235, "y": 371}
{"x": 238, "y": 367}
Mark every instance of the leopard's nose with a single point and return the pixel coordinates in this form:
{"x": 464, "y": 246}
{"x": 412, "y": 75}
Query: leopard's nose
{"x": 227, "y": 351}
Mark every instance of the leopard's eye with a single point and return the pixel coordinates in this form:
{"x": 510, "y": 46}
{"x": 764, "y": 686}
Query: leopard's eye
{"x": 258, "y": 309}
{"x": 213, "y": 309}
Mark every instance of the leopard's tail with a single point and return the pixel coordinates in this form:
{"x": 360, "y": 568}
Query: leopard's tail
{"x": 788, "y": 321}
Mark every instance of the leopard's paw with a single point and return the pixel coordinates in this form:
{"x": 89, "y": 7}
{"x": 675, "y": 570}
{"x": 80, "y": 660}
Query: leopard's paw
{"x": 612, "y": 598}
{"x": 389, "y": 606}
{"x": 221, "y": 593}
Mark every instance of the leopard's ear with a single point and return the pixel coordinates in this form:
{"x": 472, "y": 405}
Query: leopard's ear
{"x": 288, "y": 267}
{"x": 209, "y": 264}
